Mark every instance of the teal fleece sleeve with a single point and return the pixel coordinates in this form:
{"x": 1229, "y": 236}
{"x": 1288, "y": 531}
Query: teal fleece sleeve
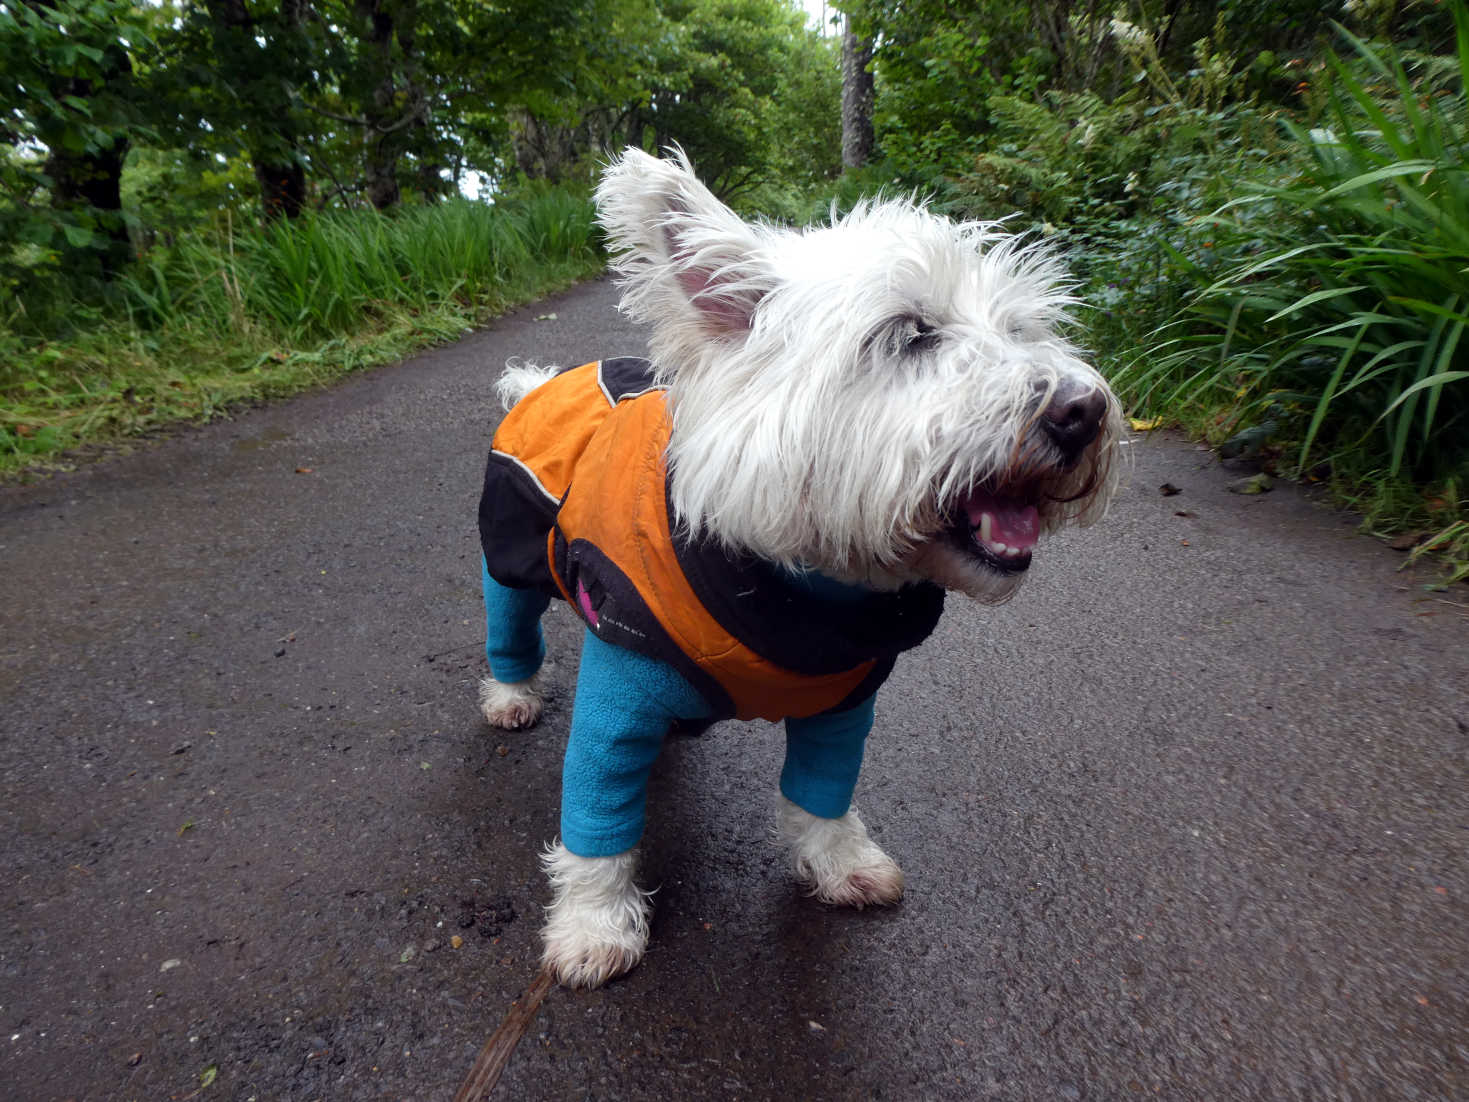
{"x": 624, "y": 705}
{"x": 514, "y": 646}
{"x": 824, "y": 757}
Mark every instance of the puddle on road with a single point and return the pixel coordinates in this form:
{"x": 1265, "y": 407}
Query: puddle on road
{"x": 264, "y": 440}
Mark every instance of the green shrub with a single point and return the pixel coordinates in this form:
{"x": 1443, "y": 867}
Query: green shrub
{"x": 1349, "y": 296}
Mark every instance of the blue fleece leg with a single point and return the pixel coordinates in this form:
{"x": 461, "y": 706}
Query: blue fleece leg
{"x": 624, "y": 704}
{"x": 823, "y": 758}
{"x": 513, "y": 641}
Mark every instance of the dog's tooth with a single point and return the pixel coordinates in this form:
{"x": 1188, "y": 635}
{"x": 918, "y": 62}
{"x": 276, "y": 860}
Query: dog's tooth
{"x": 985, "y": 520}
{"x": 1000, "y": 548}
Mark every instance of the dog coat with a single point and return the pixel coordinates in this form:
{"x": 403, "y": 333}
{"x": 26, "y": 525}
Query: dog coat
{"x": 575, "y": 505}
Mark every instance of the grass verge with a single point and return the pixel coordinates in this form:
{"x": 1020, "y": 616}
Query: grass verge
{"x": 217, "y": 320}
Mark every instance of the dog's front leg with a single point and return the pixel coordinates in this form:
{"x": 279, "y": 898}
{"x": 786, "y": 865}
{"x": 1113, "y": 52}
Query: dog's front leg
{"x": 829, "y": 846}
{"x": 597, "y": 923}
{"x": 510, "y": 697}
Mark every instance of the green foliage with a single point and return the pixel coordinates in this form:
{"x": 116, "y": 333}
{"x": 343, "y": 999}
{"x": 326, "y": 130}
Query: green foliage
{"x": 169, "y": 193}
{"x": 1450, "y": 544}
{"x": 319, "y": 277}
{"x": 1350, "y": 294}
{"x": 66, "y": 101}
{"x": 1122, "y": 185}
{"x": 1068, "y": 157}
{"x": 749, "y": 93}
{"x": 554, "y": 221}
{"x": 937, "y": 67}
{"x": 743, "y": 86}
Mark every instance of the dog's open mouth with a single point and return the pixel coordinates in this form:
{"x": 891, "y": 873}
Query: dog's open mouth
{"x": 999, "y": 528}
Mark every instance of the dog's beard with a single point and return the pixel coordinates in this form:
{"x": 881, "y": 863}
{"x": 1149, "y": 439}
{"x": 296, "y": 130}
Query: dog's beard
{"x": 981, "y": 543}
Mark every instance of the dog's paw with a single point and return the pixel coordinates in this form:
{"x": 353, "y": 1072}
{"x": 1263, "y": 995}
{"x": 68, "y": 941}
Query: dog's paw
{"x": 511, "y": 705}
{"x": 597, "y": 923}
{"x": 836, "y": 859}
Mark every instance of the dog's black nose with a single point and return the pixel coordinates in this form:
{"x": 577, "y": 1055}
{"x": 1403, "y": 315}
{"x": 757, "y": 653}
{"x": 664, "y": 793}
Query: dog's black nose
{"x": 1073, "y": 419}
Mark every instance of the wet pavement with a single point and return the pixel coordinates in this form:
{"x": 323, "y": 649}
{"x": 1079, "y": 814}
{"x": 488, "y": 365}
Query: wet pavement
{"x": 1188, "y": 819}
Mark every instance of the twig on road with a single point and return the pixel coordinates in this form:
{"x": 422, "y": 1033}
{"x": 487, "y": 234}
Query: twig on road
{"x": 500, "y": 1047}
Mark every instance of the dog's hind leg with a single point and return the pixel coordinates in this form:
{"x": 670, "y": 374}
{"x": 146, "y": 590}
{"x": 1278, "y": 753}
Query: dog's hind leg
{"x": 511, "y": 696}
{"x": 829, "y": 846}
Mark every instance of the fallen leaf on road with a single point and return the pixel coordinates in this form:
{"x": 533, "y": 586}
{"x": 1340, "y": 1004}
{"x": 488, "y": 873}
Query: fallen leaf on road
{"x": 1139, "y": 424}
{"x": 1255, "y": 484}
{"x": 1168, "y": 489}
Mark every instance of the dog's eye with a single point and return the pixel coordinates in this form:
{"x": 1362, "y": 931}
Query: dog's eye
{"x": 921, "y": 336}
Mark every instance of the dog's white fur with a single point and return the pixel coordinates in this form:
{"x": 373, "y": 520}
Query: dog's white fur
{"x": 836, "y": 394}
{"x": 836, "y": 860}
{"x": 597, "y": 924}
{"x": 518, "y": 380}
{"x": 511, "y": 704}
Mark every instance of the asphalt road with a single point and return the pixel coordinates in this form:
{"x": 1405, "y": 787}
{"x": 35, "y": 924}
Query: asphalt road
{"x": 1188, "y": 819}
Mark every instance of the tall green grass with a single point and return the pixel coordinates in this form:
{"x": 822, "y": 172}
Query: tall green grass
{"x": 244, "y": 312}
{"x": 1346, "y": 306}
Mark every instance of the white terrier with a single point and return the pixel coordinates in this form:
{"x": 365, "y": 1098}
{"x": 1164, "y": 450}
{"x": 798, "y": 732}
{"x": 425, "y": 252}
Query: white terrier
{"x": 837, "y": 425}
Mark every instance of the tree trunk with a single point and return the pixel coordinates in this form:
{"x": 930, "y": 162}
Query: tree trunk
{"x": 91, "y": 183}
{"x": 857, "y": 98}
{"x": 283, "y": 179}
{"x": 391, "y": 117}
{"x": 282, "y": 188}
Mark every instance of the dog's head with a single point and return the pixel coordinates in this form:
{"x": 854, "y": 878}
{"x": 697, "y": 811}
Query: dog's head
{"x": 886, "y": 398}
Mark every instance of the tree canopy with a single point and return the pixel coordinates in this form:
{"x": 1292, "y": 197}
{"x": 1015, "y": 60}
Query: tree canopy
{"x": 121, "y": 121}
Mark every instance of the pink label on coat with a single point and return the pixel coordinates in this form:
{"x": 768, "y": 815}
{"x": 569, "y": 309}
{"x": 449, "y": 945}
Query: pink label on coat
{"x": 586, "y": 604}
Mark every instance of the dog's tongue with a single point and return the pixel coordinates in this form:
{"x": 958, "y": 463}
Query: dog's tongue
{"x": 997, "y": 521}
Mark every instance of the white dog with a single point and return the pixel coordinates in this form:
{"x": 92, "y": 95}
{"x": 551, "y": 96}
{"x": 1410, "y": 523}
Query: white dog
{"x": 836, "y": 426}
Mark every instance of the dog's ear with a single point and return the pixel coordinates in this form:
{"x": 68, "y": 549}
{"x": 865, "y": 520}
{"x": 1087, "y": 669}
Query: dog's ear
{"x": 670, "y": 236}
